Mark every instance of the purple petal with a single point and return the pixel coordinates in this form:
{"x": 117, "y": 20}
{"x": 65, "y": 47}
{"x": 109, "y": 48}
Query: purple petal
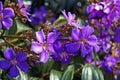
{"x": 7, "y": 22}
{"x": 64, "y": 13}
{"x": 107, "y": 10}
{"x": 58, "y": 47}
{"x": 85, "y": 49}
{"x": 13, "y": 72}
{"x": 0, "y": 25}
{"x": 92, "y": 15}
{"x": 116, "y": 35}
{"x": 89, "y": 58}
{"x": 23, "y": 66}
{"x": 4, "y": 64}
{"x": 51, "y": 49}
{"x": 21, "y": 56}
{"x": 24, "y": 10}
{"x": 9, "y": 54}
{"x": 87, "y": 31}
{"x": 20, "y": 3}
{"x": 40, "y": 36}
{"x": 66, "y": 60}
{"x": 8, "y": 12}
{"x": 72, "y": 47}
{"x": 36, "y": 47}
{"x": 90, "y": 8}
{"x": 56, "y": 56}
{"x": 97, "y": 48}
{"x": 51, "y": 37}
{"x": 76, "y": 34}
{"x": 1, "y": 6}
{"x": 44, "y": 56}
{"x": 92, "y": 40}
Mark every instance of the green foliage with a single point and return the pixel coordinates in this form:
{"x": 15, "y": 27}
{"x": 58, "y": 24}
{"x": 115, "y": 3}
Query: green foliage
{"x": 69, "y": 73}
{"x": 55, "y": 75}
{"x": 90, "y": 72}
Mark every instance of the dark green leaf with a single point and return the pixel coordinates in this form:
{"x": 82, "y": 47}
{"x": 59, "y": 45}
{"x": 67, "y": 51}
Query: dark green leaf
{"x": 69, "y": 73}
{"x": 47, "y": 66}
{"x": 90, "y": 72}
{"x": 55, "y": 75}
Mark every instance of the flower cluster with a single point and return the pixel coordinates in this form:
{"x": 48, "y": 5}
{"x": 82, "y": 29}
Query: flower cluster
{"x": 104, "y": 13}
{"x": 39, "y": 15}
{"x": 97, "y": 42}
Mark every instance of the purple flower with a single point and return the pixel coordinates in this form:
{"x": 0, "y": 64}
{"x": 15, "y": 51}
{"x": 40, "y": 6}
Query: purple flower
{"x": 99, "y": 13}
{"x": 116, "y": 35}
{"x": 44, "y": 46}
{"x": 24, "y": 9}
{"x": 98, "y": 10}
{"x": 109, "y": 63}
{"x": 104, "y": 41}
{"x": 114, "y": 10}
{"x": 83, "y": 40}
{"x": 39, "y": 15}
{"x": 5, "y": 17}
{"x": 61, "y": 54}
{"x": 71, "y": 19}
{"x": 105, "y": 12}
{"x": 13, "y": 62}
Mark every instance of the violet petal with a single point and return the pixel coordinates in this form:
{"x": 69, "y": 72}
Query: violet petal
{"x": 9, "y": 54}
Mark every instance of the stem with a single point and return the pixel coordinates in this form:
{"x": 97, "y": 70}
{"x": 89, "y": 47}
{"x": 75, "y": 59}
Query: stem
{"x": 2, "y": 33}
{"x": 8, "y": 42}
{"x": 13, "y": 36}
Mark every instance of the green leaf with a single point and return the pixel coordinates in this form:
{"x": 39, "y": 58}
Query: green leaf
{"x": 13, "y": 29}
{"x": 0, "y": 72}
{"x": 23, "y": 76}
{"x": 55, "y": 75}
{"x": 21, "y": 27}
{"x": 17, "y": 27}
{"x": 60, "y": 21}
{"x": 69, "y": 73}
{"x": 90, "y": 72}
{"x": 47, "y": 66}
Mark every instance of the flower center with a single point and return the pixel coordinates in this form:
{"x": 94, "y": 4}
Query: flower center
{"x": 14, "y": 62}
{"x": 1, "y": 16}
{"x": 45, "y": 45}
{"x": 83, "y": 40}
{"x": 110, "y": 64}
{"x": 64, "y": 55}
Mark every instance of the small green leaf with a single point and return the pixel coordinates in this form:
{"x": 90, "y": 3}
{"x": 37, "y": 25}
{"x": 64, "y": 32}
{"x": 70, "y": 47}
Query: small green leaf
{"x": 55, "y": 75}
{"x": 60, "y": 21}
{"x": 69, "y": 73}
{"x": 23, "y": 76}
{"x": 21, "y": 27}
{"x": 90, "y": 72}
{"x": 47, "y": 66}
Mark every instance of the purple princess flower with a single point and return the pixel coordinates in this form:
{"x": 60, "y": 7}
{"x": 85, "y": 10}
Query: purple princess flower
{"x": 39, "y": 15}
{"x": 5, "y": 17}
{"x": 24, "y": 9}
{"x": 83, "y": 40}
{"x": 61, "y": 53}
{"x": 109, "y": 63}
{"x": 104, "y": 41}
{"x": 71, "y": 19}
{"x": 44, "y": 46}
{"x": 13, "y": 62}
{"x": 114, "y": 10}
